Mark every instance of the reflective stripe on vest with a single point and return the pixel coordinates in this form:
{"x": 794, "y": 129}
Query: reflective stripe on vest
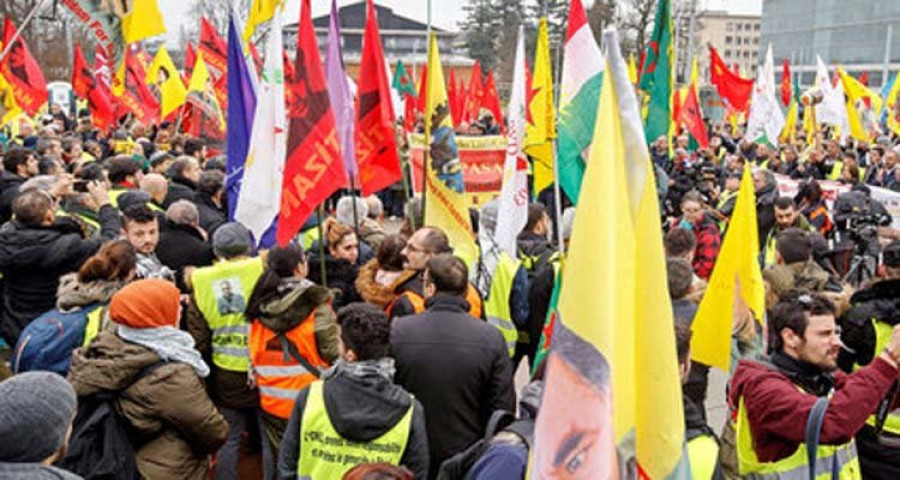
{"x": 279, "y": 376}
{"x": 325, "y": 455}
{"x": 496, "y": 307}
{"x": 795, "y": 466}
{"x": 703, "y": 452}
{"x": 883, "y": 333}
{"x": 92, "y": 326}
{"x": 221, "y": 292}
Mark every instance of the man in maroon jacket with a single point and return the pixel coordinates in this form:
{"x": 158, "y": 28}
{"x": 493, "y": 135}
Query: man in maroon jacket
{"x": 774, "y": 396}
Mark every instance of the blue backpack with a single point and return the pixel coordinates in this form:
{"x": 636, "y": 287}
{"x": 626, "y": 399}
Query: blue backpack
{"x": 48, "y": 341}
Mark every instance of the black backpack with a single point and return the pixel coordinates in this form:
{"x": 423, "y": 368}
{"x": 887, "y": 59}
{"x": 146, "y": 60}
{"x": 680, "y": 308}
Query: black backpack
{"x": 102, "y": 446}
{"x": 458, "y": 466}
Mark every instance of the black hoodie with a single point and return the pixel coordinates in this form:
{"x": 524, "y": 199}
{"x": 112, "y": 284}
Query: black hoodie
{"x": 881, "y": 301}
{"x": 361, "y": 408}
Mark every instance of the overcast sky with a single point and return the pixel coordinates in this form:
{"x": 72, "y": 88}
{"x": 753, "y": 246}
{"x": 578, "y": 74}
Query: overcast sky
{"x": 445, "y": 13}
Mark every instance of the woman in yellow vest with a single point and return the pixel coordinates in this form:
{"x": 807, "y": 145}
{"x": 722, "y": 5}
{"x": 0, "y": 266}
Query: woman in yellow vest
{"x": 355, "y": 414}
{"x": 293, "y": 336}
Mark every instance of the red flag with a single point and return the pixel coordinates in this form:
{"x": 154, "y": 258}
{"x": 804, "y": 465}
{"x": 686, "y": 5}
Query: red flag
{"x": 453, "y": 98}
{"x": 86, "y": 86}
{"x": 190, "y": 57}
{"x": 314, "y": 168}
{"x": 529, "y": 93}
{"x": 735, "y": 68}
{"x": 137, "y": 97}
{"x": 409, "y": 113}
{"x": 476, "y": 92}
{"x": 731, "y": 87}
{"x": 423, "y": 77}
{"x": 23, "y": 73}
{"x": 376, "y": 145}
{"x": 689, "y": 115}
{"x": 864, "y": 79}
{"x": 214, "y": 49}
{"x": 786, "y": 85}
{"x": 491, "y": 101}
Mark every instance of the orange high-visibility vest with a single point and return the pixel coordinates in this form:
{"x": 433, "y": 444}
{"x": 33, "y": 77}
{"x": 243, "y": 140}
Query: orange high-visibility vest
{"x": 278, "y": 375}
{"x": 418, "y": 302}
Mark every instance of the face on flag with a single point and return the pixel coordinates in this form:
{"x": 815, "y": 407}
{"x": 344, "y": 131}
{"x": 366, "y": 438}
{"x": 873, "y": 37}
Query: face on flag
{"x": 444, "y": 154}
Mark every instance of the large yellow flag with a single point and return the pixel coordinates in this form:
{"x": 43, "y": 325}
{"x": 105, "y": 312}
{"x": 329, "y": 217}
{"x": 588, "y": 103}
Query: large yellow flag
{"x": 541, "y": 126}
{"x": 893, "y": 122}
{"x": 200, "y": 92}
{"x": 736, "y": 275}
{"x": 162, "y": 72}
{"x": 632, "y": 69}
{"x": 445, "y": 203}
{"x": 857, "y": 93}
{"x": 142, "y": 21}
{"x": 789, "y": 132}
{"x": 612, "y": 375}
{"x": 261, "y": 11}
{"x": 11, "y": 109}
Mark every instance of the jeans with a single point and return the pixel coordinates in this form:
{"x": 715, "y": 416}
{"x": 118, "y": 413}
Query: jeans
{"x": 227, "y": 458}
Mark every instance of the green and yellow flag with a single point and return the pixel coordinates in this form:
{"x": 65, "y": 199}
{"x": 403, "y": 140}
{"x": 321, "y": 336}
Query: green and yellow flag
{"x": 612, "y": 378}
{"x": 736, "y": 278}
{"x": 445, "y": 203}
{"x": 540, "y": 129}
{"x": 657, "y": 74}
{"x": 162, "y": 73}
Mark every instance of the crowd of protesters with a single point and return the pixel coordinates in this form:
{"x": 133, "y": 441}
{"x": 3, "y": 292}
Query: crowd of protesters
{"x": 365, "y": 349}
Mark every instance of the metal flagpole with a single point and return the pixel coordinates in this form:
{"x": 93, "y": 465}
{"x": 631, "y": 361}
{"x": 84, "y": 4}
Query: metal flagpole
{"x": 426, "y": 151}
{"x": 15, "y": 37}
{"x": 322, "y": 240}
{"x": 355, "y": 213}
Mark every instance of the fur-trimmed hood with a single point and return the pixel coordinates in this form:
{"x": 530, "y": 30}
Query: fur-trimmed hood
{"x": 377, "y": 293}
{"x": 72, "y": 293}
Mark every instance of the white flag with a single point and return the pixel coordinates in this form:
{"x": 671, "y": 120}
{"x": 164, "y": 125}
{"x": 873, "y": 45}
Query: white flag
{"x": 512, "y": 212}
{"x": 832, "y": 110}
{"x": 260, "y": 198}
{"x": 766, "y": 119}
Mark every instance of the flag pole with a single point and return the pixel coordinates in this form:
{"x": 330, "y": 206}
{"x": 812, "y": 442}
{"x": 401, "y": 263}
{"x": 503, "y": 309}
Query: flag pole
{"x": 557, "y": 193}
{"x": 355, "y": 213}
{"x": 321, "y": 214}
{"x": 426, "y": 151}
{"x": 21, "y": 27}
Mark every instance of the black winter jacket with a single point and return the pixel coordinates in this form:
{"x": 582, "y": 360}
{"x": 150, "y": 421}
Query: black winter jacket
{"x": 881, "y": 301}
{"x": 181, "y": 246}
{"x": 9, "y": 190}
{"x": 212, "y": 216}
{"x": 361, "y": 408}
{"x": 180, "y": 188}
{"x": 33, "y": 258}
{"x": 458, "y": 367}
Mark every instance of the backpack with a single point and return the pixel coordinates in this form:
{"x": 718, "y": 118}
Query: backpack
{"x": 103, "y": 443}
{"x": 458, "y": 466}
{"x": 48, "y": 341}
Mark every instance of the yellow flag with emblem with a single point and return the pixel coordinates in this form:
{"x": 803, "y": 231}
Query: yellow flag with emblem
{"x": 144, "y": 20}
{"x": 736, "y": 277}
{"x": 162, "y": 72}
{"x": 858, "y": 96}
{"x": 445, "y": 201}
{"x": 540, "y": 129}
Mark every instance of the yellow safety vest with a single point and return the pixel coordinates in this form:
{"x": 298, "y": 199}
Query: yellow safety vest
{"x": 883, "y": 333}
{"x": 836, "y": 170}
{"x": 723, "y": 199}
{"x": 90, "y": 227}
{"x": 225, "y": 313}
{"x": 309, "y": 237}
{"x": 325, "y": 455}
{"x": 496, "y": 306}
{"x": 92, "y": 327}
{"x": 703, "y": 452}
{"x": 114, "y": 195}
{"x": 795, "y": 466}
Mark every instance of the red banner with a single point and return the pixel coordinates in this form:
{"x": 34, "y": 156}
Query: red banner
{"x": 482, "y": 164}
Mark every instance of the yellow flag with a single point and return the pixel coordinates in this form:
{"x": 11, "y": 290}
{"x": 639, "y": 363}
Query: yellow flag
{"x": 856, "y": 92}
{"x": 789, "y": 132}
{"x": 10, "y": 107}
{"x": 144, "y": 20}
{"x": 736, "y": 275}
{"x": 162, "y": 72}
{"x": 200, "y": 91}
{"x": 541, "y": 129}
{"x": 632, "y": 69}
{"x": 809, "y": 124}
{"x": 445, "y": 202}
{"x": 612, "y": 375}
{"x": 261, "y": 11}
{"x": 891, "y": 104}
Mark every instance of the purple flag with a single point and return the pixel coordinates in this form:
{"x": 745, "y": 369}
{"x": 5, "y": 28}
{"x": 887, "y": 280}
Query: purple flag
{"x": 339, "y": 92}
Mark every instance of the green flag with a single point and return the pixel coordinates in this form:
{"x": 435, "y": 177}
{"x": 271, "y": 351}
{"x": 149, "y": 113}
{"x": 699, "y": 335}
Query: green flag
{"x": 403, "y": 82}
{"x": 657, "y": 77}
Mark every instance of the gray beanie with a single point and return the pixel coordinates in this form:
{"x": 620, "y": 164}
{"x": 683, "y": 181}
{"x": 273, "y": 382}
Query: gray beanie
{"x": 487, "y": 219}
{"x": 231, "y": 240}
{"x": 36, "y": 409}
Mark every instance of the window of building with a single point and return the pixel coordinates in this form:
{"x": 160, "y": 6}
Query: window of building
{"x": 746, "y": 54}
{"x": 737, "y": 27}
{"x": 728, "y": 40}
{"x": 727, "y": 53}
{"x": 754, "y": 55}
{"x": 729, "y": 27}
{"x": 756, "y": 41}
{"x": 756, "y": 27}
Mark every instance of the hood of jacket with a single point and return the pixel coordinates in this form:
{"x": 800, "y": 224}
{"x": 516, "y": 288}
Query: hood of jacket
{"x": 108, "y": 364}
{"x": 35, "y": 247}
{"x": 10, "y": 180}
{"x": 365, "y": 407}
{"x": 294, "y": 300}
{"x": 882, "y": 301}
{"x": 72, "y": 293}
{"x": 532, "y": 244}
{"x": 374, "y": 292}
{"x": 808, "y": 275}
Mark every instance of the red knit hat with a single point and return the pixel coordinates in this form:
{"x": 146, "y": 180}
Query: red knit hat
{"x": 146, "y": 304}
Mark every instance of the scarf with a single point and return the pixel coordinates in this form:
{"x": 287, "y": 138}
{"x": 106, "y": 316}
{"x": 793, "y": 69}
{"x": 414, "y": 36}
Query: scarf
{"x": 807, "y": 376}
{"x": 383, "y": 367}
{"x": 169, "y": 343}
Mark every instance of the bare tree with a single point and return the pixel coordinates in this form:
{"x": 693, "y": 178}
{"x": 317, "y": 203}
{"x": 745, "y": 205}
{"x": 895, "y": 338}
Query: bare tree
{"x": 636, "y": 21}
